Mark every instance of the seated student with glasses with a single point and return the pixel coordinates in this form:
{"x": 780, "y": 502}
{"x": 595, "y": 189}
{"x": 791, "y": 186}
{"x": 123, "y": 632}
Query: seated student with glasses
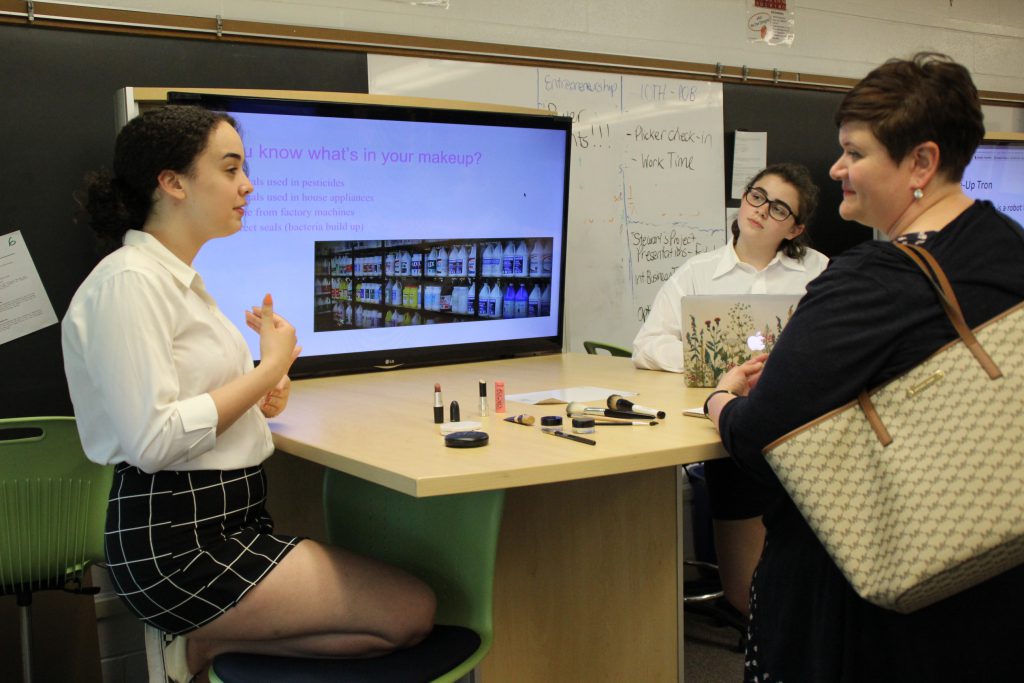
{"x": 768, "y": 254}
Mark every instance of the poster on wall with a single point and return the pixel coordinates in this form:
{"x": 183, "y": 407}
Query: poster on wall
{"x": 770, "y": 22}
{"x": 24, "y": 306}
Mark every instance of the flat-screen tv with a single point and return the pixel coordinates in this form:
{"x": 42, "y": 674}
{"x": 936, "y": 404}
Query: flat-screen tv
{"x": 996, "y": 173}
{"x": 396, "y": 236}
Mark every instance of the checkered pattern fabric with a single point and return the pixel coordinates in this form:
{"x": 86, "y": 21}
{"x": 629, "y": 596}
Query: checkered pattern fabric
{"x": 183, "y": 547}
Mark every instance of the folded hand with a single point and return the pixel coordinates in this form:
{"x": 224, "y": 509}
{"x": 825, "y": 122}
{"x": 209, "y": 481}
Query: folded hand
{"x": 277, "y": 398}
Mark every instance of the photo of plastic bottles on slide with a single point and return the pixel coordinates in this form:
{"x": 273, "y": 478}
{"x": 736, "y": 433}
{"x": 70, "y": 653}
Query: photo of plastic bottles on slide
{"x": 396, "y": 283}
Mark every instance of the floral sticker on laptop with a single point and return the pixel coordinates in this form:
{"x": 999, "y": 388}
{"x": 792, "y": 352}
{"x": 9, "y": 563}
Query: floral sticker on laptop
{"x": 713, "y": 348}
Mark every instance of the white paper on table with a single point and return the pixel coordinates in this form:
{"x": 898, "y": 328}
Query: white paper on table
{"x": 569, "y": 395}
{"x": 24, "y": 306}
{"x": 749, "y": 155}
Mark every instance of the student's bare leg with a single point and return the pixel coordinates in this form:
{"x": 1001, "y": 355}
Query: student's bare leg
{"x": 321, "y": 601}
{"x": 738, "y": 546}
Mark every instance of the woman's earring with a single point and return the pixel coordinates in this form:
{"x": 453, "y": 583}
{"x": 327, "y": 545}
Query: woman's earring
{"x": 918, "y": 193}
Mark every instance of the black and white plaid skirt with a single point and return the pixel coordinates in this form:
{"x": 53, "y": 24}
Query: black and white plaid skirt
{"x": 184, "y": 547}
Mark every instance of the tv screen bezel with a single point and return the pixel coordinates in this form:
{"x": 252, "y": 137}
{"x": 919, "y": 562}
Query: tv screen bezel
{"x": 427, "y": 112}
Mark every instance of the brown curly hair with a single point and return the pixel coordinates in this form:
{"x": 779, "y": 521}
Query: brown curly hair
{"x": 166, "y": 138}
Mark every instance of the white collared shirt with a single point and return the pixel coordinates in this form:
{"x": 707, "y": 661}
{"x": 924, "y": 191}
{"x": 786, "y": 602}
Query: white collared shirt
{"x": 659, "y": 344}
{"x": 144, "y": 344}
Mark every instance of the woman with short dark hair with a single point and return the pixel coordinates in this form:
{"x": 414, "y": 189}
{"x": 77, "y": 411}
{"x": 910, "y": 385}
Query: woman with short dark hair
{"x": 907, "y": 131}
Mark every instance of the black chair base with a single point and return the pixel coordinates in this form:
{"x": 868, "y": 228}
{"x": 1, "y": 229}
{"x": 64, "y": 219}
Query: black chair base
{"x": 440, "y": 652}
{"x": 723, "y": 614}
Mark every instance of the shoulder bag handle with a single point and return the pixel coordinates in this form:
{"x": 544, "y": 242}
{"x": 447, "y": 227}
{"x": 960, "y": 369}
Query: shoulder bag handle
{"x": 931, "y": 269}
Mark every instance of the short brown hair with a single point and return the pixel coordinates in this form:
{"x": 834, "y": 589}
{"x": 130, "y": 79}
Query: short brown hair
{"x": 927, "y": 98}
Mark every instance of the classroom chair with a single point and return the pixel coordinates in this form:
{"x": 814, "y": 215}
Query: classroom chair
{"x": 592, "y": 347}
{"x": 53, "y": 504}
{"x": 450, "y": 542}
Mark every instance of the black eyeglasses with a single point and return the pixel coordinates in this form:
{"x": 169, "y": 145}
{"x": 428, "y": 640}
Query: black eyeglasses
{"x": 777, "y": 209}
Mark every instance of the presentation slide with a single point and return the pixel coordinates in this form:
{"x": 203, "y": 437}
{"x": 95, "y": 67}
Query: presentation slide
{"x": 350, "y": 218}
{"x": 997, "y": 174}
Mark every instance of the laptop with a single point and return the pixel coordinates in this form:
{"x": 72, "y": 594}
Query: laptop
{"x": 721, "y": 331}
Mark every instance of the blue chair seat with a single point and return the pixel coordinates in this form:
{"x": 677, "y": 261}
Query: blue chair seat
{"x": 445, "y": 648}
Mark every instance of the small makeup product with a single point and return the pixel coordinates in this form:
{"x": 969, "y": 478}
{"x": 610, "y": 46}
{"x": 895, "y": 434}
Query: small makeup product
{"x": 583, "y": 425}
{"x": 466, "y": 439}
{"x": 626, "y": 423}
{"x": 551, "y": 421}
{"x": 521, "y": 419}
{"x": 453, "y": 412}
{"x": 483, "y": 398}
{"x": 554, "y": 431}
{"x": 499, "y": 397}
{"x": 438, "y": 405}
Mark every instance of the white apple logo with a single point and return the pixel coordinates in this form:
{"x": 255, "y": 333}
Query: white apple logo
{"x": 756, "y": 341}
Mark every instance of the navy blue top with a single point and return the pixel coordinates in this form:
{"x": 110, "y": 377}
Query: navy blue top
{"x": 869, "y": 317}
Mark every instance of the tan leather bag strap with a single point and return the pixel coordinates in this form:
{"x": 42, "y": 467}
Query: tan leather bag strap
{"x": 881, "y": 433}
{"x": 931, "y": 269}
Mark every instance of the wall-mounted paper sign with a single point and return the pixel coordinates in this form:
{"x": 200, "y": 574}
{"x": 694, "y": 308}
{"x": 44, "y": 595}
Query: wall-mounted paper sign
{"x": 24, "y": 306}
{"x": 750, "y": 155}
{"x": 770, "y": 22}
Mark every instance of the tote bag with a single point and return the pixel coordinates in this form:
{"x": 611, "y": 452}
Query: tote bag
{"x": 916, "y": 489}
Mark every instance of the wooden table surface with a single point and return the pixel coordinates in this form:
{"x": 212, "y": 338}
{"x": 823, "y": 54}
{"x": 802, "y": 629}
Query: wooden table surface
{"x": 380, "y": 426}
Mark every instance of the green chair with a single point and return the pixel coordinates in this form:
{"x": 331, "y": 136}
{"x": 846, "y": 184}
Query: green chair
{"x": 450, "y": 542}
{"x": 53, "y": 503}
{"x": 592, "y": 347}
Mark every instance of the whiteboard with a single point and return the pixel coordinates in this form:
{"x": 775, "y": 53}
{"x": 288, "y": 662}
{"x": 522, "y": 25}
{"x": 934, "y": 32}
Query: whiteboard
{"x": 647, "y": 187}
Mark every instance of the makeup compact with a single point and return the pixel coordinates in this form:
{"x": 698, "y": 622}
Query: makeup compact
{"x": 466, "y": 439}
{"x": 583, "y": 425}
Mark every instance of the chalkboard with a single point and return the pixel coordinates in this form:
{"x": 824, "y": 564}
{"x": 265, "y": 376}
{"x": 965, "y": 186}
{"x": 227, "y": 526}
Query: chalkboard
{"x": 645, "y": 179}
{"x": 58, "y": 123}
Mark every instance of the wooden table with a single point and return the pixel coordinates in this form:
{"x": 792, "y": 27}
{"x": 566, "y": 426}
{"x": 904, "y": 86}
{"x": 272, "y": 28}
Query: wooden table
{"x": 590, "y": 555}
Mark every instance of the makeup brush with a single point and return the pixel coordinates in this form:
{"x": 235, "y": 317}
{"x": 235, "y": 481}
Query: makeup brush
{"x": 616, "y": 402}
{"x": 575, "y": 409}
